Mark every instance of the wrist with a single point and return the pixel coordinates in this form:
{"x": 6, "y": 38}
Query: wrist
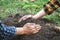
{"x": 39, "y": 14}
{"x": 19, "y": 31}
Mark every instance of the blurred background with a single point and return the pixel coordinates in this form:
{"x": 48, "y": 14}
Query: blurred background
{"x": 26, "y": 6}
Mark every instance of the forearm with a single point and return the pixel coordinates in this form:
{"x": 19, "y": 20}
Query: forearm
{"x": 48, "y": 8}
{"x": 39, "y": 14}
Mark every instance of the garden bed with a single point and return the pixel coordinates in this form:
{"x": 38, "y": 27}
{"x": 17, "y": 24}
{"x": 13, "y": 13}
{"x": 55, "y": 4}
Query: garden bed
{"x": 46, "y": 33}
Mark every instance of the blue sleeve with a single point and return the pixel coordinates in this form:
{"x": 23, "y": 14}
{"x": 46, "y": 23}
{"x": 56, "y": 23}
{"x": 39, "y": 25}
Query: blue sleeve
{"x": 6, "y": 31}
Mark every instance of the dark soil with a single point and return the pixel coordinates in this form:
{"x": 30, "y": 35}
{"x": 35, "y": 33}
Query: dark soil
{"x": 46, "y": 33}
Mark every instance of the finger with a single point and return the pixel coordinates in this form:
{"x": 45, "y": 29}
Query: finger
{"x": 35, "y": 31}
{"x": 37, "y": 28}
{"x": 24, "y": 18}
{"x": 21, "y": 19}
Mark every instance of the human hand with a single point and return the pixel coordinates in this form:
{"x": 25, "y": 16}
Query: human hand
{"x": 31, "y": 28}
{"x": 25, "y": 17}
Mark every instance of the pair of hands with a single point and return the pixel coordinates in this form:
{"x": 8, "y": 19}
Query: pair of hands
{"x": 30, "y": 28}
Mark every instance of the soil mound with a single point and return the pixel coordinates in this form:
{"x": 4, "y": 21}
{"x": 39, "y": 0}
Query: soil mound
{"x": 46, "y": 33}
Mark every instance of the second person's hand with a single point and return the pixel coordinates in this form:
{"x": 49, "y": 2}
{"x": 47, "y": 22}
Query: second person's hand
{"x": 25, "y": 17}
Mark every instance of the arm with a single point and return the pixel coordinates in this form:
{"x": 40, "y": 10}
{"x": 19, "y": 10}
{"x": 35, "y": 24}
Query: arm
{"x": 6, "y": 32}
{"x": 28, "y": 28}
{"x": 10, "y": 31}
{"x": 39, "y": 14}
{"x": 48, "y": 8}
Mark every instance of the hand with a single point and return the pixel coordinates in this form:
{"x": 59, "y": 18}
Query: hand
{"x": 31, "y": 28}
{"x": 25, "y": 17}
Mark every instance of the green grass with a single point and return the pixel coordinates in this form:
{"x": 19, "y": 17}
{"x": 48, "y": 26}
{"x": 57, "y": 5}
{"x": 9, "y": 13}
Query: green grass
{"x": 17, "y": 6}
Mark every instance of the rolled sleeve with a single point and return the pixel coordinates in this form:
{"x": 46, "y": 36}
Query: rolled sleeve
{"x": 6, "y": 32}
{"x": 9, "y": 31}
{"x": 51, "y": 6}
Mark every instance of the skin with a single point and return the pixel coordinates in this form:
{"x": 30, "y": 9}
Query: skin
{"x": 36, "y": 16}
{"x": 39, "y": 14}
{"x": 27, "y": 29}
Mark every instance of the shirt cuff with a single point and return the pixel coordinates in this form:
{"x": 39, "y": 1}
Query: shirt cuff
{"x": 9, "y": 31}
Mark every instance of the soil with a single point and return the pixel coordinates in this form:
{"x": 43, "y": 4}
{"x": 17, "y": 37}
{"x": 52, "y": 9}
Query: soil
{"x": 46, "y": 33}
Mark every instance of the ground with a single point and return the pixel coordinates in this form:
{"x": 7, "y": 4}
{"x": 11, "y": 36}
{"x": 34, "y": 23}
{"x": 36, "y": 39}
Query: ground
{"x": 18, "y": 6}
{"x": 46, "y": 33}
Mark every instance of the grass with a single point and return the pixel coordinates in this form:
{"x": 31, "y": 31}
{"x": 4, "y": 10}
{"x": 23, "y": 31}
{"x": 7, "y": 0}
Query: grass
{"x": 18, "y": 6}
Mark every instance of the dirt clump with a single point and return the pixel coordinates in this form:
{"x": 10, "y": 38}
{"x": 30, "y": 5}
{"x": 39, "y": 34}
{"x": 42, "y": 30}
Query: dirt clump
{"x": 46, "y": 33}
